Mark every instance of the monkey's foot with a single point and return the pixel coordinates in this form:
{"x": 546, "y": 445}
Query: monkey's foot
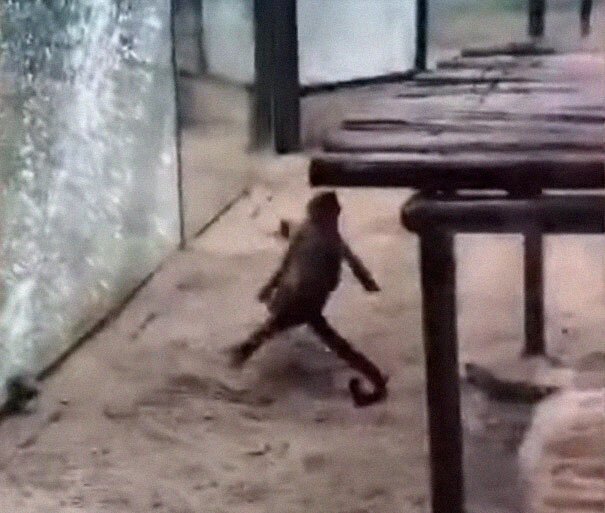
{"x": 239, "y": 355}
{"x": 362, "y": 399}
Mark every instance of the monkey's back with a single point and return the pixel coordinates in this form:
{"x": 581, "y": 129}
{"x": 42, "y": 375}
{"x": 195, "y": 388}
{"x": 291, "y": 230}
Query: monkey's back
{"x": 311, "y": 274}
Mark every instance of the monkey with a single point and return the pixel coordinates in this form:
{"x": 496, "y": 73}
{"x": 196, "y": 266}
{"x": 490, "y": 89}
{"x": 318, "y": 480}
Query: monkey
{"x": 298, "y": 291}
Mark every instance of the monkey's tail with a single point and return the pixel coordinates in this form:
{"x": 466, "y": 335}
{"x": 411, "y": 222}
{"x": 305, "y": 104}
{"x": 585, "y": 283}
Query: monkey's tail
{"x": 361, "y": 398}
{"x": 357, "y": 360}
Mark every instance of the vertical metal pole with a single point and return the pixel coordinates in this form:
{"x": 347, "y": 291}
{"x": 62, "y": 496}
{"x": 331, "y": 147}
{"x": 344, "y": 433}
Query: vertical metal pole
{"x": 537, "y": 10}
{"x": 534, "y": 293}
{"x": 286, "y": 88}
{"x": 438, "y": 274}
{"x": 177, "y": 126}
{"x": 261, "y": 117}
{"x": 199, "y": 20}
{"x": 585, "y": 10}
{"x": 422, "y": 20}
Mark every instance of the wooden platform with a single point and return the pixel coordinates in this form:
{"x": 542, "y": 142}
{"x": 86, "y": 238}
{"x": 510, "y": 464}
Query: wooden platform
{"x": 518, "y": 119}
{"x": 482, "y": 120}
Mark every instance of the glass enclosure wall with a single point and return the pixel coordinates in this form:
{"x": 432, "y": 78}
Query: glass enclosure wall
{"x": 216, "y": 70}
{"x": 228, "y": 39}
{"x": 88, "y": 178}
{"x": 342, "y": 40}
{"x": 338, "y": 40}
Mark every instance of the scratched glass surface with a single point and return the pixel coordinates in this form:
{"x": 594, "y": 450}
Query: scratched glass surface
{"x": 87, "y": 166}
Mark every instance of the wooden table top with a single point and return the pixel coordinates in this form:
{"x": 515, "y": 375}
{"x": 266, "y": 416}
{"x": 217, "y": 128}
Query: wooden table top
{"x": 484, "y": 120}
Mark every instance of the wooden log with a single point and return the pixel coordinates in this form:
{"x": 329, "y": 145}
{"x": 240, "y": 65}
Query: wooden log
{"x": 553, "y": 170}
{"x": 438, "y": 276}
{"x": 556, "y": 213}
{"x": 511, "y": 49}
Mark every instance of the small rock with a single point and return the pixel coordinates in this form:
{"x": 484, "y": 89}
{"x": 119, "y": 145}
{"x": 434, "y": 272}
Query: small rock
{"x": 314, "y": 462}
{"x": 283, "y": 449}
{"x": 253, "y": 415}
{"x": 117, "y": 411}
{"x": 492, "y": 422}
{"x": 94, "y": 450}
{"x": 321, "y": 416}
{"x": 260, "y": 451}
{"x": 55, "y": 416}
{"x": 105, "y": 450}
{"x": 28, "y": 442}
{"x": 64, "y": 401}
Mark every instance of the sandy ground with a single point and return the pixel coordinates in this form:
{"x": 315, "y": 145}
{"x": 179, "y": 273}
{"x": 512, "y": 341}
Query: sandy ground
{"x": 153, "y": 419}
{"x": 147, "y": 417}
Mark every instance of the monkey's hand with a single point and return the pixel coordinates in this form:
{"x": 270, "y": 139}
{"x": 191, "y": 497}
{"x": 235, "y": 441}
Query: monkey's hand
{"x": 264, "y": 295}
{"x": 371, "y": 286}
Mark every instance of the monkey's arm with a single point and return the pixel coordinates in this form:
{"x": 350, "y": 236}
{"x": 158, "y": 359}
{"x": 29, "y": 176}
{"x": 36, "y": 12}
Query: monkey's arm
{"x": 265, "y": 293}
{"x": 359, "y": 270}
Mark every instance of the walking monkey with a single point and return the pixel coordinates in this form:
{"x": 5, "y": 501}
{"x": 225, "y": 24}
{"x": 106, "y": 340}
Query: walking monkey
{"x": 298, "y": 291}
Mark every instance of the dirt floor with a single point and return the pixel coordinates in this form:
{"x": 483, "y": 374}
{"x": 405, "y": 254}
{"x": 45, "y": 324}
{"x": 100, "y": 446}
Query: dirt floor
{"x": 146, "y": 416}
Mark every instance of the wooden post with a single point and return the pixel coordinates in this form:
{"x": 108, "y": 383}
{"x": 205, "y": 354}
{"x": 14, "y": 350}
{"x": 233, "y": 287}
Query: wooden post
{"x": 261, "y": 116}
{"x": 422, "y": 17}
{"x": 276, "y": 110}
{"x": 438, "y": 273}
{"x": 585, "y": 10}
{"x": 537, "y": 9}
{"x": 534, "y": 293}
{"x": 286, "y": 88}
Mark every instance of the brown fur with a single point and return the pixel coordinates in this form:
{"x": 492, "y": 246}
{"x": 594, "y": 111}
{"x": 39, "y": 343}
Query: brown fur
{"x": 298, "y": 291}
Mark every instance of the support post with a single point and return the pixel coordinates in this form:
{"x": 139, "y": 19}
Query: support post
{"x": 422, "y": 17}
{"x": 534, "y": 293}
{"x": 537, "y": 9}
{"x": 276, "y": 103}
{"x": 286, "y": 88}
{"x": 261, "y": 117}
{"x": 438, "y": 273}
{"x": 585, "y": 10}
{"x": 199, "y": 20}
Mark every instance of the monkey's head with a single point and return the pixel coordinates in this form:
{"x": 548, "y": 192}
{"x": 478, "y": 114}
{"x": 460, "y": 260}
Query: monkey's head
{"x": 324, "y": 208}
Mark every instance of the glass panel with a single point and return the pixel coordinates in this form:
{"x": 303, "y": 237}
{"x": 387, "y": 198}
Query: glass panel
{"x": 347, "y": 39}
{"x": 215, "y": 100}
{"x": 457, "y": 24}
{"x": 88, "y": 178}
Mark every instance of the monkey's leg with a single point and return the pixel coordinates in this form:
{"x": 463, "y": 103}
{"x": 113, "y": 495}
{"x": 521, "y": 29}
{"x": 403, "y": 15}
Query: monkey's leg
{"x": 240, "y": 353}
{"x": 356, "y": 360}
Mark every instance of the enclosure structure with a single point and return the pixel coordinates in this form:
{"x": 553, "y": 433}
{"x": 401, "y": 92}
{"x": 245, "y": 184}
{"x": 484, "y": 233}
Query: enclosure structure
{"x": 282, "y": 49}
{"x": 88, "y": 167}
{"x": 92, "y": 197}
